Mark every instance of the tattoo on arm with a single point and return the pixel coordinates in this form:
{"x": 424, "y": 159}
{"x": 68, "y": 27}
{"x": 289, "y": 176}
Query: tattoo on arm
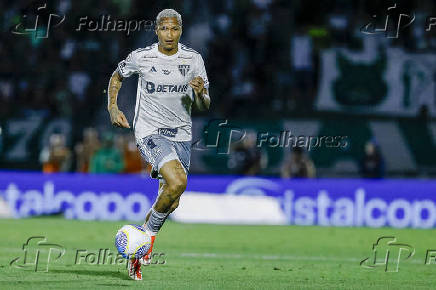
{"x": 114, "y": 86}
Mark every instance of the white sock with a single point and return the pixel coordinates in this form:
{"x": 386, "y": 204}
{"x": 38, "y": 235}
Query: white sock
{"x": 155, "y": 222}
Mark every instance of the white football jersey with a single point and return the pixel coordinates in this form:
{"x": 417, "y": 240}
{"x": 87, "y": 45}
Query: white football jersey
{"x": 164, "y": 96}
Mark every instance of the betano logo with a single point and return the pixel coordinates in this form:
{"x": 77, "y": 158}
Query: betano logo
{"x": 165, "y": 88}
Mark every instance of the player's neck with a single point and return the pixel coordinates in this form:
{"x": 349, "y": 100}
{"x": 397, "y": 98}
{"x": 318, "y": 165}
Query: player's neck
{"x": 167, "y": 52}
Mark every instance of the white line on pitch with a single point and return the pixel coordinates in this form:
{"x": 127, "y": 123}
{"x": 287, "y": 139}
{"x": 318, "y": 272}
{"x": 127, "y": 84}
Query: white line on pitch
{"x": 278, "y": 257}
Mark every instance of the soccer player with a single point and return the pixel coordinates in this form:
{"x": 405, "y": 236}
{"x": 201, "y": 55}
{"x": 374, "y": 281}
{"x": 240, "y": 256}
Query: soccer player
{"x": 171, "y": 78}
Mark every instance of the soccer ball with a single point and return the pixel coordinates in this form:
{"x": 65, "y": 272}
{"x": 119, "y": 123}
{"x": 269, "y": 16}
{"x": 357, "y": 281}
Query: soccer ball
{"x": 132, "y": 241}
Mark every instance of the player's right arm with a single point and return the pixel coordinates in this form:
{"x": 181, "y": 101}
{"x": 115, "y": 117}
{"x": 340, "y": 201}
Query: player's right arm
{"x": 125, "y": 69}
{"x": 117, "y": 117}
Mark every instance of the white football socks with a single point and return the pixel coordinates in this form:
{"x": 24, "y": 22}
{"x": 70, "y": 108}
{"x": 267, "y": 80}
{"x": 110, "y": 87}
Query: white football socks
{"x": 155, "y": 222}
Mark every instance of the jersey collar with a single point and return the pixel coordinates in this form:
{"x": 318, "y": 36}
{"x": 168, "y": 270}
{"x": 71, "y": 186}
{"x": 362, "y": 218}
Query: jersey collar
{"x": 169, "y": 57}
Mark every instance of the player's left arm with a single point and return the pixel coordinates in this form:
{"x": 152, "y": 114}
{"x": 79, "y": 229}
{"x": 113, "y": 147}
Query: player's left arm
{"x": 200, "y": 85}
{"x": 201, "y": 94}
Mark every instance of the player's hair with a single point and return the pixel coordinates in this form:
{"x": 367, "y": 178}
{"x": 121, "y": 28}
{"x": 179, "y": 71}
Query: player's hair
{"x": 166, "y": 13}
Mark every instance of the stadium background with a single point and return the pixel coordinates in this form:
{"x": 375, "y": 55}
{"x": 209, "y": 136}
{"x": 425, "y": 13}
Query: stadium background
{"x": 270, "y": 63}
{"x": 301, "y": 67}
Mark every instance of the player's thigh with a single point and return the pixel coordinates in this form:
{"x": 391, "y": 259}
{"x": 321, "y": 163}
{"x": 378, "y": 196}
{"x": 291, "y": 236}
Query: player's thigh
{"x": 174, "y": 175}
{"x": 156, "y": 150}
{"x": 183, "y": 150}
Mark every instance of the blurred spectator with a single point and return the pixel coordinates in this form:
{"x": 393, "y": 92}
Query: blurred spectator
{"x": 372, "y": 164}
{"x": 107, "y": 159}
{"x": 56, "y": 157}
{"x": 86, "y": 149}
{"x": 126, "y": 145}
{"x": 132, "y": 157}
{"x": 299, "y": 165}
{"x": 302, "y": 64}
{"x": 78, "y": 82}
{"x": 246, "y": 158}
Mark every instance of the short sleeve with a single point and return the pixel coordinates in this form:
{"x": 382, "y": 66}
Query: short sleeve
{"x": 201, "y": 71}
{"x": 128, "y": 66}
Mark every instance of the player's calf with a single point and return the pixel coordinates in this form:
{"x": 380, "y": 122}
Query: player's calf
{"x": 175, "y": 184}
{"x": 175, "y": 205}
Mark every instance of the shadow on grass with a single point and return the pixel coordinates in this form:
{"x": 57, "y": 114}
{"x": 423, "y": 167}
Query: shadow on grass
{"x": 112, "y": 274}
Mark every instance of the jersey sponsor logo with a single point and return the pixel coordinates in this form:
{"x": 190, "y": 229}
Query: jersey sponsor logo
{"x": 153, "y": 69}
{"x": 169, "y": 132}
{"x": 184, "y": 69}
{"x": 166, "y": 72}
{"x": 150, "y": 87}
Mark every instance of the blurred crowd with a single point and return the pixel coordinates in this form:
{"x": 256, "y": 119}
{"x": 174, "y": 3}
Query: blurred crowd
{"x": 111, "y": 153}
{"x": 247, "y": 159}
{"x": 262, "y": 58}
{"x": 256, "y": 51}
{"x": 108, "y": 153}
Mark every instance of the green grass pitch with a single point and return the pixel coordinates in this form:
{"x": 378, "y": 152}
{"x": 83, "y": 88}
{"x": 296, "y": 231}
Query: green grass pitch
{"x": 219, "y": 257}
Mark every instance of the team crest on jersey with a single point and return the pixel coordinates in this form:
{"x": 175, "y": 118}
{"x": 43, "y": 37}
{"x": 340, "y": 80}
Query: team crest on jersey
{"x": 184, "y": 69}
